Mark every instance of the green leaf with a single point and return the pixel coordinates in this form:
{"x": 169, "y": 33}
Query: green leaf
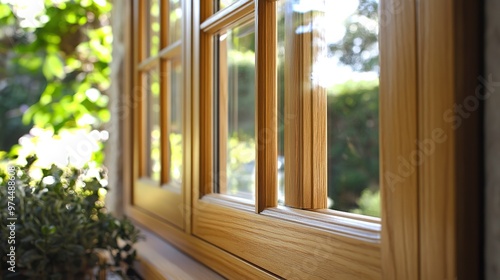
{"x": 29, "y": 114}
{"x": 53, "y": 67}
{"x": 5, "y": 10}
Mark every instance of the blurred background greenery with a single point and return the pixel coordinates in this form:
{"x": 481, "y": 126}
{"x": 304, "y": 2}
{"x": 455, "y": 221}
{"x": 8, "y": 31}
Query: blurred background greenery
{"x": 54, "y": 70}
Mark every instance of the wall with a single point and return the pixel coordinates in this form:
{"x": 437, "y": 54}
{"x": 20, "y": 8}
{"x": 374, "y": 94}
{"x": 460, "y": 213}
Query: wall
{"x": 492, "y": 140}
{"x": 114, "y": 144}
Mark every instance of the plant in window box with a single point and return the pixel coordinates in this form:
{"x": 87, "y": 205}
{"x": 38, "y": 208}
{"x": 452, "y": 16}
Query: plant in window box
{"x": 59, "y": 226}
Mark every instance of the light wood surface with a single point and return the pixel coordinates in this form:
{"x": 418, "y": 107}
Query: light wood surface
{"x": 266, "y": 129}
{"x": 305, "y": 138}
{"x": 294, "y": 251}
{"x": 398, "y": 133}
{"x": 421, "y": 70}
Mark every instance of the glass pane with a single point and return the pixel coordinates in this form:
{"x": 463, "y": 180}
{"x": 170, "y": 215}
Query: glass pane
{"x": 175, "y": 128}
{"x": 343, "y": 35}
{"x": 175, "y": 20}
{"x": 353, "y": 127}
{"x": 153, "y": 124}
{"x": 224, "y": 3}
{"x": 153, "y": 27}
{"x": 236, "y": 111}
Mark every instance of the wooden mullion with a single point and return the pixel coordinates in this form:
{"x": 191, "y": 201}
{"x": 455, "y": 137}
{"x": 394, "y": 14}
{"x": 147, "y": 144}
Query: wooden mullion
{"x": 141, "y": 116}
{"x": 187, "y": 113}
{"x": 226, "y": 17}
{"x": 131, "y": 139}
{"x": 317, "y": 190}
{"x": 305, "y": 140}
{"x": 267, "y": 106}
{"x": 164, "y": 98}
{"x": 164, "y": 23}
{"x": 206, "y": 90}
{"x": 305, "y": 97}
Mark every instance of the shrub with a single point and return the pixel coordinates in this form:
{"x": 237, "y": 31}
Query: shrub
{"x": 62, "y": 222}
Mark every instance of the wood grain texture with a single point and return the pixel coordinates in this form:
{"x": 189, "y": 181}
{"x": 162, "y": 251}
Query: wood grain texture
{"x": 139, "y": 92}
{"x": 205, "y": 106}
{"x": 165, "y": 109}
{"x": 305, "y": 100}
{"x": 266, "y": 129}
{"x": 293, "y": 252}
{"x": 436, "y": 175}
{"x": 224, "y": 263}
{"x": 224, "y": 18}
{"x": 398, "y": 133}
{"x": 165, "y": 203}
{"x": 422, "y": 69}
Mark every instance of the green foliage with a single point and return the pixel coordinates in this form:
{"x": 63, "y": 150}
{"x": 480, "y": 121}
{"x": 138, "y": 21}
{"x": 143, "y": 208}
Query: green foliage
{"x": 369, "y": 203}
{"x": 58, "y": 67}
{"x": 353, "y": 150}
{"x": 359, "y": 47}
{"x": 61, "y": 222}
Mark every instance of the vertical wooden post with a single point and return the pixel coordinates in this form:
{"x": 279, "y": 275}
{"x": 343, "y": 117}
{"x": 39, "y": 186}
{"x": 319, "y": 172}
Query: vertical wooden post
{"x": 305, "y": 99}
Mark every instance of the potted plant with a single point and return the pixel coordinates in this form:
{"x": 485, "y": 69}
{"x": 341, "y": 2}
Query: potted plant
{"x": 55, "y": 225}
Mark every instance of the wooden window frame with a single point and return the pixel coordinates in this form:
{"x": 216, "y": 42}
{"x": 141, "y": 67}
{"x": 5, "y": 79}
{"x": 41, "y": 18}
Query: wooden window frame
{"x": 156, "y": 198}
{"x": 417, "y": 238}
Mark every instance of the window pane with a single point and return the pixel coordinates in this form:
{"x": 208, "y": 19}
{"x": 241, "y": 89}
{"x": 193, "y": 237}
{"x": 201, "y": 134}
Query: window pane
{"x": 236, "y": 111}
{"x": 153, "y": 124}
{"x": 153, "y": 27}
{"x": 175, "y": 127}
{"x": 343, "y": 35}
{"x": 224, "y": 3}
{"x": 175, "y": 20}
{"x": 353, "y": 98}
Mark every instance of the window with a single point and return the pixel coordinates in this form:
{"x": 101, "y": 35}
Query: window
{"x": 159, "y": 113}
{"x": 232, "y": 137}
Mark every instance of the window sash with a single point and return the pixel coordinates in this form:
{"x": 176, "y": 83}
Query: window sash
{"x": 353, "y": 249}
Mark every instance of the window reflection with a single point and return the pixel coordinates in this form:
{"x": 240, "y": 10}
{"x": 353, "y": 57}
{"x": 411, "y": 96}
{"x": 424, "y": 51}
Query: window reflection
{"x": 236, "y": 111}
{"x": 153, "y": 124}
{"x": 175, "y": 21}
{"x": 175, "y": 123}
{"x": 344, "y": 35}
{"x": 153, "y": 27}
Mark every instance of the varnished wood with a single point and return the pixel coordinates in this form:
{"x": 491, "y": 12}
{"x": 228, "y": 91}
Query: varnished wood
{"x": 436, "y": 175}
{"x": 231, "y": 15}
{"x": 171, "y": 51}
{"x": 165, "y": 97}
{"x": 205, "y": 74}
{"x": 187, "y": 116}
{"x": 140, "y": 91}
{"x": 130, "y": 171}
{"x": 398, "y": 133}
{"x": 418, "y": 230}
{"x": 305, "y": 138}
{"x": 287, "y": 249}
{"x": 165, "y": 121}
{"x": 224, "y": 263}
{"x": 165, "y": 202}
{"x": 266, "y": 129}
{"x": 449, "y": 181}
